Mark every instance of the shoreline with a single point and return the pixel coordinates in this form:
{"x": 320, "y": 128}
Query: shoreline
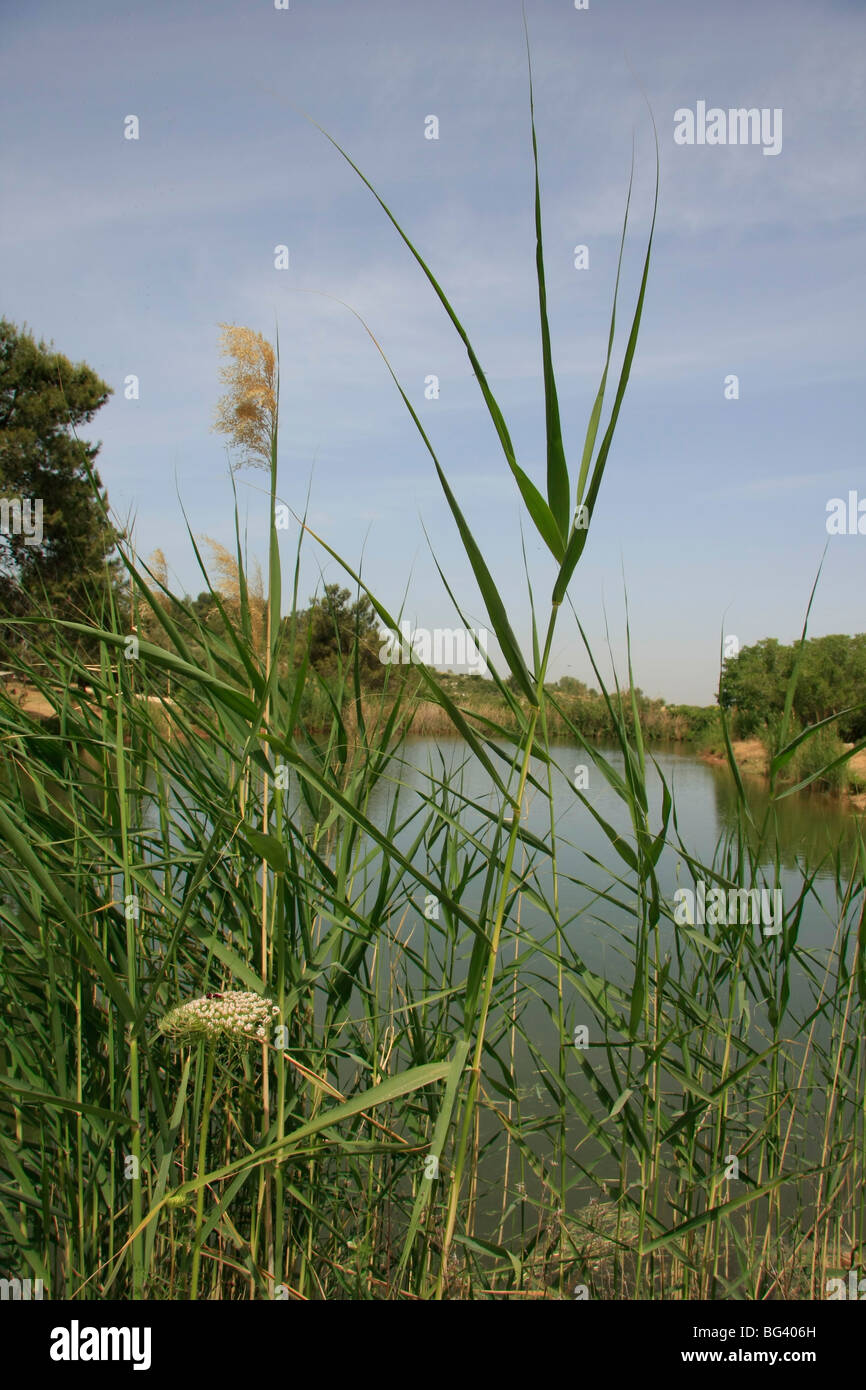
{"x": 751, "y": 758}
{"x": 750, "y": 754}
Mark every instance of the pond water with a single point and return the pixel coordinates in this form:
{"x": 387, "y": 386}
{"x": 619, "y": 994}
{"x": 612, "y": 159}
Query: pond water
{"x": 812, "y": 832}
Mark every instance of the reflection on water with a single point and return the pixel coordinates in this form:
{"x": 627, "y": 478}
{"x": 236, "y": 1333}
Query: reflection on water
{"x": 812, "y": 826}
{"x": 808, "y": 829}
{"x": 596, "y": 889}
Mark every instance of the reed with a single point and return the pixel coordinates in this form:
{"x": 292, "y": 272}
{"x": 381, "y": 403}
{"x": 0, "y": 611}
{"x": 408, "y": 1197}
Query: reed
{"x": 152, "y": 854}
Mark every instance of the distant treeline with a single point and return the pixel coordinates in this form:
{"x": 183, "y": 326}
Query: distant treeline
{"x": 339, "y": 637}
{"x": 572, "y": 703}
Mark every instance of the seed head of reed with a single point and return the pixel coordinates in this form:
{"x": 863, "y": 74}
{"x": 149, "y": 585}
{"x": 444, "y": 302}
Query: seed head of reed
{"x": 247, "y": 413}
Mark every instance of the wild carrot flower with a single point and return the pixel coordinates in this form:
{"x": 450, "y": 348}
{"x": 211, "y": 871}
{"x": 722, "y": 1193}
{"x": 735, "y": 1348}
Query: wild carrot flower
{"x": 237, "y": 1015}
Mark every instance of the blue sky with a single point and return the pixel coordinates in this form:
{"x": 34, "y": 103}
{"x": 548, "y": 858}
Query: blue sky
{"x": 128, "y": 254}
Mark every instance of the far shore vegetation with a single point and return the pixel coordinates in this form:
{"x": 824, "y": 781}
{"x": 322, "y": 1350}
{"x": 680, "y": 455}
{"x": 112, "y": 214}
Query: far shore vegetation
{"x": 335, "y": 629}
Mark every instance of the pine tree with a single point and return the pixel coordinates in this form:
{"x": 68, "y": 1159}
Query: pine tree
{"x": 64, "y": 564}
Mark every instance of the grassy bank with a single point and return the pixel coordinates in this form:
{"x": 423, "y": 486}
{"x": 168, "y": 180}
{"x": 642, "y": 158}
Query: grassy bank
{"x": 481, "y": 700}
{"x": 830, "y": 765}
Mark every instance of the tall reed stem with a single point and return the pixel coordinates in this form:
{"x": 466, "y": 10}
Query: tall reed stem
{"x": 202, "y": 1160}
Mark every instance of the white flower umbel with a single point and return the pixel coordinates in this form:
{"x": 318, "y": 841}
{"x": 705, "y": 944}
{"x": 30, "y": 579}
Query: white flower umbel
{"x": 232, "y": 1016}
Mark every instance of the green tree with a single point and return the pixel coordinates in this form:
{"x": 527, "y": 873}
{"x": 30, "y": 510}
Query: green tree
{"x": 753, "y": 684}
{"x": 570, "y": 685}
{"x": 333, "y": 624}
{"x": 831, "y": 677}
{"x": 61, "y": 559}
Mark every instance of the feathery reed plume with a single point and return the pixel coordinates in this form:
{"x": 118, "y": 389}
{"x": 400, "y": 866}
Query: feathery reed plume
{"x": 248, "y": 411}
{"x": 228, "y": 583}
